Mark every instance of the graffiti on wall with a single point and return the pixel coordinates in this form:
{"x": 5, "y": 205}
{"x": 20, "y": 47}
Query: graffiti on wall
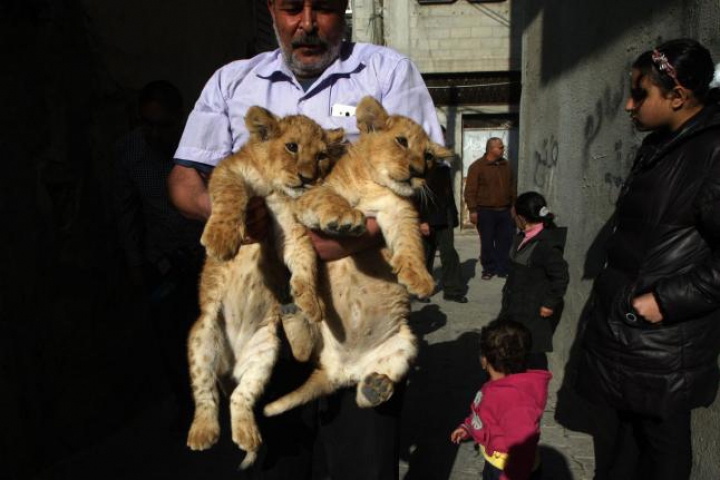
{"x": 545, "y": 160}
{"x": 608, "y": 167}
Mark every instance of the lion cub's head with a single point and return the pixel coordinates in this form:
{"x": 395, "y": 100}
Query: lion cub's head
{"x": 397, "y": 148}
{"x": 297, "y": 151}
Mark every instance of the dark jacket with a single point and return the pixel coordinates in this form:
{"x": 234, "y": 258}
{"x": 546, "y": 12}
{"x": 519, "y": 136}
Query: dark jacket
{"x": 538, "y": 277}
{"x": 439, "y": 209}
{"x": 666, "y": 240}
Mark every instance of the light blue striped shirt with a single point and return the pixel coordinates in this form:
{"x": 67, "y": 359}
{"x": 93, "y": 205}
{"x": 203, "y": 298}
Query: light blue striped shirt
{"x": 216, "y": 126}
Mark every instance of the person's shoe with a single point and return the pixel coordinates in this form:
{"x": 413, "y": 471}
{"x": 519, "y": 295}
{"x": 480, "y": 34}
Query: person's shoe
{"x": 487, "y": 276}
{"x": 455, "y": 298}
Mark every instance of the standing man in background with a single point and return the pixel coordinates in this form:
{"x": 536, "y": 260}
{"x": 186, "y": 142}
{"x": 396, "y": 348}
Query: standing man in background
{"x": 489, "y": 196}
{"x": 315, "y": 73}
{"x": 438, "y": 219}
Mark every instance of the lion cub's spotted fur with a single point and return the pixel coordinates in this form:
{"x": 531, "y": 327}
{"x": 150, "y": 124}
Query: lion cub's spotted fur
{"x": 240, "y": 287}
{"x": 365, "y": 339}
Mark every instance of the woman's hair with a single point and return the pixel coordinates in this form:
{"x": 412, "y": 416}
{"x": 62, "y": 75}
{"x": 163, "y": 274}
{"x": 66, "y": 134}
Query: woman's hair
{"x": 505, "y": 344}
{"x": 681, "y": 62}
{"x": 533, "y": 208}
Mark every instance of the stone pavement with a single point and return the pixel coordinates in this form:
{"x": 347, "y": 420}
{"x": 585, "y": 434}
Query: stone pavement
{"x": 446, "y": 378}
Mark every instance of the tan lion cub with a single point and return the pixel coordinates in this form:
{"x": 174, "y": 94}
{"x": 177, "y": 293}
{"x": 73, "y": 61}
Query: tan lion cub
{"x": 241, "y": 287}
{"x": 365, "y": 339}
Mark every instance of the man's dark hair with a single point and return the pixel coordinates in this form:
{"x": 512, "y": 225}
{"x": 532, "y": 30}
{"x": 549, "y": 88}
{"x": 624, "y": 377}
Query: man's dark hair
{"x": 506, "y": 344}
{"x": 163, "y": 92}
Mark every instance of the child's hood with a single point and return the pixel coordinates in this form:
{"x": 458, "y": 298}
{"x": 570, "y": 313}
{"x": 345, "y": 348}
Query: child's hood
{"x": 532, "y": 384}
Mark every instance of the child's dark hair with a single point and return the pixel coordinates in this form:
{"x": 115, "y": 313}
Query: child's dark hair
{"x": 533, "y": 208}
{"x": 506, "y": 344}
{"x": 682, "y": 62}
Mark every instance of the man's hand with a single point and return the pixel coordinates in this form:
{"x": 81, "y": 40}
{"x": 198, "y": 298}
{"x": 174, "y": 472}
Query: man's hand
{"x": 257, "y": 221}
{"x": 425, "y": 229}
{"x": 331, "y": 248}
{"x": 646, "y": 305}
{"x": 473, "y": 218}
{"x": 546, "y": 312}
{"x": 458, "y": 435}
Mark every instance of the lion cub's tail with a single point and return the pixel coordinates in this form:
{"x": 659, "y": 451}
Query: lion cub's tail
{"x": 317, "y": 385}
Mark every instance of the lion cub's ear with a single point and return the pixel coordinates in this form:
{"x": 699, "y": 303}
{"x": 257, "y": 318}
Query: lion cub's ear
{"x": 439, "y": 152}
{"x": 261, "y": 124}
{"x": 335, "y": 136}
{"x": 336, "y": 144}
{"x": 371, "y": 116}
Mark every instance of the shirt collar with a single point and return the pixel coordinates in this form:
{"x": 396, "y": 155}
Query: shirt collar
{"x": 346, "y": 63}
{"x": 533, "y": 231}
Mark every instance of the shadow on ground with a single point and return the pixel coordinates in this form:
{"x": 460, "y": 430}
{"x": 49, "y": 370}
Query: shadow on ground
{"x": 441, "y": 387}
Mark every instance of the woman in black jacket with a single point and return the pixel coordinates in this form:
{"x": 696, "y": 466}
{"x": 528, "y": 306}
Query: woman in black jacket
{"x": 651, "y": 345}
{"x": 538, "y": 276}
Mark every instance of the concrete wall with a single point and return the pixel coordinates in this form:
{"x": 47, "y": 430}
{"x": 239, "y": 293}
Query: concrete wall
{"x": 459, "y": 37}
{"x": 576, "y": 141}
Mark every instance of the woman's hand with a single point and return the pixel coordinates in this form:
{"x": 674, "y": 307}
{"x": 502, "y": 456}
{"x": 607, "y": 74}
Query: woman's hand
{"x": 647, "y": 307}
{"x": 458, "y": 435}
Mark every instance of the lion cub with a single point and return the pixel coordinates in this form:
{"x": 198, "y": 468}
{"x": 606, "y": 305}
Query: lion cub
{"x": 240, "y": 287}
{"x": 365, "y": 339}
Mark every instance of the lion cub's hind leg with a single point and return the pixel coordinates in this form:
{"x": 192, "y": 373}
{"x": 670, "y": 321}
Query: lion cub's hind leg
{"x": 253, "y": 369}
{"x": 209, "y": 358}
{"x": 389, "y": 365}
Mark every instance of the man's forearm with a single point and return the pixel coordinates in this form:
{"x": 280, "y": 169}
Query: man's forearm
{"x": 188, "y": 192}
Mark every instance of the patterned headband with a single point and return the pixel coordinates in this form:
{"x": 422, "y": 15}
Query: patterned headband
{"x": 664, "y": 65}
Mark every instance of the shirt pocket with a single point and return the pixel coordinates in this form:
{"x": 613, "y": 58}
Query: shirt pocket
{"x": 349, "y": 124}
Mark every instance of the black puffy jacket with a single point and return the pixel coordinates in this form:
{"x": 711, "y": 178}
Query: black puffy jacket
{"x": 538, "y": 277}
{"x": 666, "y": 240}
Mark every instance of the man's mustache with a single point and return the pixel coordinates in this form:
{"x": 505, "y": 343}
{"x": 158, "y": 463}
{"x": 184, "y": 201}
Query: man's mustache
{"x": 308, "y": 41}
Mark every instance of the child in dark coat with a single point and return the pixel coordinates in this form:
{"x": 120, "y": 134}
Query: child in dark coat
{"x": 505, "y": 415}
{"x": 538, "y": 277}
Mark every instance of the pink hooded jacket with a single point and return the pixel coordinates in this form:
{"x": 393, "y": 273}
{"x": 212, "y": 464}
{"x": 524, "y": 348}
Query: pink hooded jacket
{"x": 505, "y": 417}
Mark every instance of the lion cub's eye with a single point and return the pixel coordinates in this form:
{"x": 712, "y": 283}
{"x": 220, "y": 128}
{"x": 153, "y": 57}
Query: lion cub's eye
{"x": 291, "y": 147}
{"x": 402, "y": 141}
{"x": 321, "y": 156}
{"x": 429, "y": 157}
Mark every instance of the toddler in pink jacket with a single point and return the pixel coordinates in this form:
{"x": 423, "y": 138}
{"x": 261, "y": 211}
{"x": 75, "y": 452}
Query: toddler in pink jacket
{"x": 505, "y": 415}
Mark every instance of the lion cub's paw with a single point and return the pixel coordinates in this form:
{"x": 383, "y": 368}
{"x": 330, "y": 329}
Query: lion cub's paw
{"x": 222, "y": 239}
{"x": 344, "y": 222}
{"x": 416, "y": 278}
{"x": 245, "y": 433}
{"x": 375, "y": 389}
{"x": 299, "y": 334}
{"x": 204, "y": 433}
{"x": 307, "y": 300}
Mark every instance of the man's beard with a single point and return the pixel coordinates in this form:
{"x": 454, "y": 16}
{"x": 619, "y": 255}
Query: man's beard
{"x": 315, "y": 68}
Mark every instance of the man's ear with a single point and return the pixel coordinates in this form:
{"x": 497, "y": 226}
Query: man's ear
{"x": 371, "y": 116}
{"x": 261, "y": 124}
